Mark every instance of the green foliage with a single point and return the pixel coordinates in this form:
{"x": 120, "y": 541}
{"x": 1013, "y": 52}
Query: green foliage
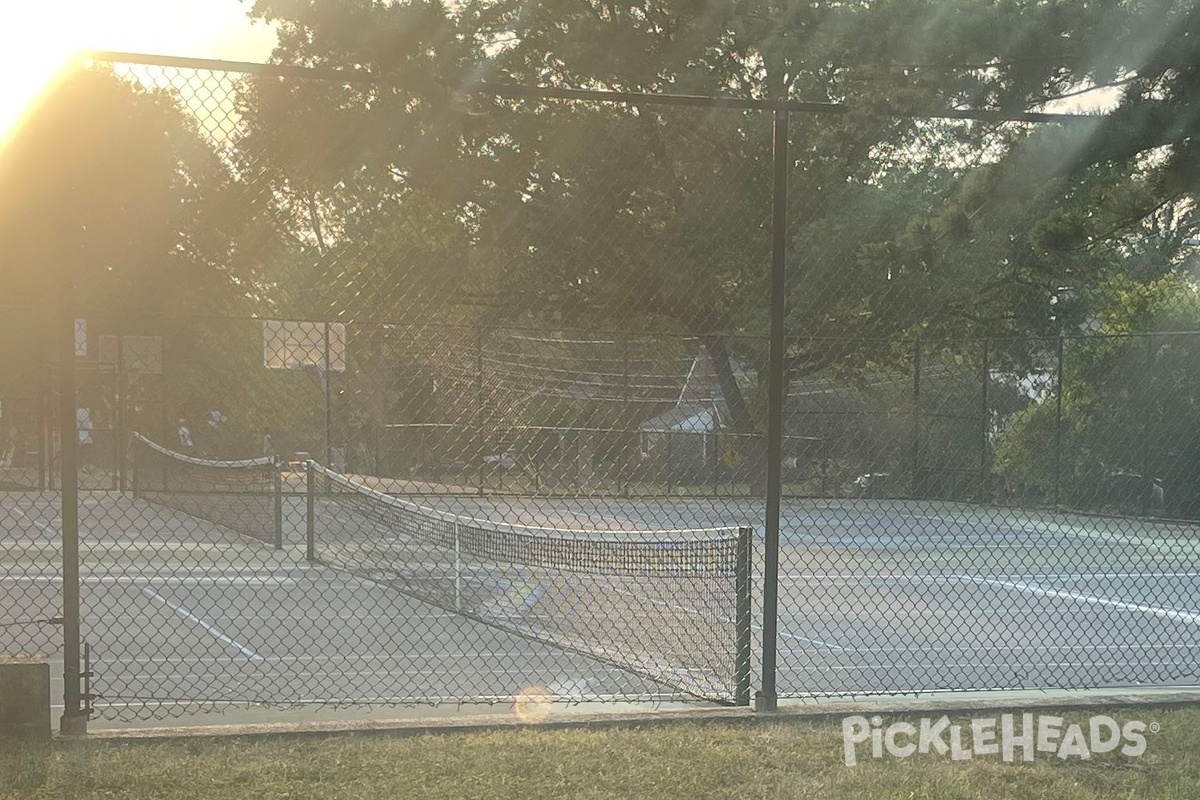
{"x": 1130, "y": 406}
{"x": 653, "y": 218}
{"x": 105, "y": 182}
{"x": 414, "y": 197}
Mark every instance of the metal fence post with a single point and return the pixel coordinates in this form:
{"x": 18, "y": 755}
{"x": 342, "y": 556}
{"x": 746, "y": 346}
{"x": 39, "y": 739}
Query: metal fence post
{"x": 984, "y": 423}
{"x": 328, "y": 405}
{"x": 1058, "y": 420}
{"x": 122, "y": 391}
{"x": 479, "y": 414}
{"x": 742, "y": 590}
{"x": 74, "y": 717}
{"x": 1147, "y": 426}
{"x": 626, "y": 419}
{"x": 45, "y": 437}
{"x": 277, "y": 471}
{"x": 715, "y": 463}
{"x": 457, "y": 569}
{"x": 916, "y": 421}
{"x": 133, "y": 472}
{"x": 310, "y": 520}
{"x": 768, "y": 699}
{"x": 670, "y": 464}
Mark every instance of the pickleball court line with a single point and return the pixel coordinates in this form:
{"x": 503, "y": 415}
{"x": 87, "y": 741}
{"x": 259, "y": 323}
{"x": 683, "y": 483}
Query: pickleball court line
{"x": 1187, "y": 617}
{"x": 210, "y": 629}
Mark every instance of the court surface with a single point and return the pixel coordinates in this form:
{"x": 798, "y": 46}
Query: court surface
{"x": 875, "y": 596}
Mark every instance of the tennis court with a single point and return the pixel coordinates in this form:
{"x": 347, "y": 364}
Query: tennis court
{"x": 182, "y": 616}
{"x": 908, "y": 596}
{"x": 875, "y": 597}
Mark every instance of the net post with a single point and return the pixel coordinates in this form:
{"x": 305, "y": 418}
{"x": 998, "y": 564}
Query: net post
{"x": 310, "y": 520}
{"x": 457, "y": 570}
{"x": 277, "y": 474}
{"x": 742, "y": 588}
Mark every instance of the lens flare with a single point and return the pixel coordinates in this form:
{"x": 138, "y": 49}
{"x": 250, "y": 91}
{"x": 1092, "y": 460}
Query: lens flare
{"x": 533, "y": 704}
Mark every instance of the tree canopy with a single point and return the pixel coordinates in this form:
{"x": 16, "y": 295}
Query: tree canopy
{"x": 413, "y": 193}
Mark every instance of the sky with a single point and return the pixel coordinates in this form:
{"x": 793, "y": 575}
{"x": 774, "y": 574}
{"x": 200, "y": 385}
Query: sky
{"x": 38, "y": 37}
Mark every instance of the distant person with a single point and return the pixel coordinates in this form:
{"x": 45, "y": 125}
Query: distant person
{"x": 185, "y": 435}
{"x": 268, "y": 447}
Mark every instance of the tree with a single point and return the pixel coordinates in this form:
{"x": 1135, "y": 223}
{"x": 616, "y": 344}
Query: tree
{"x": 103, "y": 181}
{"x": 1128, "y": 407}
{"x": 904, "y": 227}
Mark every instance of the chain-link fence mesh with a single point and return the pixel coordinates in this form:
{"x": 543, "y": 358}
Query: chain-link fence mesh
{"x": 397, "y": 399}
{"x": 1015, "y": 532}
{"x": 1009, "y": 444}
{"x": 30, "y": 541}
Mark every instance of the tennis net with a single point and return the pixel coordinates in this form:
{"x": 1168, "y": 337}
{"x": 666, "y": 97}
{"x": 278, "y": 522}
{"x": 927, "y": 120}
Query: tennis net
{"x": 671, "y": 606}
{"x": 244, "y": 496}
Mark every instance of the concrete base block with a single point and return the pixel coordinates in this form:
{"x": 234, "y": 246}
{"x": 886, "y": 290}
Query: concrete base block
{"x": 25, "y": 699}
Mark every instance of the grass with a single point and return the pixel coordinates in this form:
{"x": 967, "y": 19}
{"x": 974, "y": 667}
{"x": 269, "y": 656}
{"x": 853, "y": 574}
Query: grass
{"x": 784, "y": 759}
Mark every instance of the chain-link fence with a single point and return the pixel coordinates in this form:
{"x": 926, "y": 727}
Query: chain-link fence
{"x": 1019, "y": 524}
{"x": 31, "y": 545}
{"x": 383, "y": 398}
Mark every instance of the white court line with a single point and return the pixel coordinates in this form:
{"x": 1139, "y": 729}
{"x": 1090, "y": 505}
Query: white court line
{"x": 999, "y": 665}
{"x": 379, "y": 621}
{"x": 341, "y": 659}
{"x": 45, "y": 528}
{"x": 781, "y": 633}
{"x": 92, "y": 544}
{"x": 214, "y": 632}
{"x": 158, "y": 679}
{"x": 1063, "y": 576}
{"x": 988, "y": 648}
{"x": 169, "y": 573}
{"x": 917, "y": 547}
{"x": 403, "y": 701}
{"x": 785, "y": 635}
{"x": 1158, "y": 611}
{"x": 139, "y": 579}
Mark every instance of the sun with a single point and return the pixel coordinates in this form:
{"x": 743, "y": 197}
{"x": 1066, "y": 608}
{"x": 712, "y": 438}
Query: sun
{"x": 39, "y": 39}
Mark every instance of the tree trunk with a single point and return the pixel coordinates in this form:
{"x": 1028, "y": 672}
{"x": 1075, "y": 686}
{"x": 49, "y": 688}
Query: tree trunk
{"x": 739, "y": 412}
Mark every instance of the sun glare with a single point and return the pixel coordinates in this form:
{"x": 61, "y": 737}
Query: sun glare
{"x": 38, "y": 39}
